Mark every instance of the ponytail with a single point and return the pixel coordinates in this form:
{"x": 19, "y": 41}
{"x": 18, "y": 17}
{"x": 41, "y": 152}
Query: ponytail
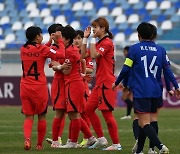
{"x": 110, "y": 34}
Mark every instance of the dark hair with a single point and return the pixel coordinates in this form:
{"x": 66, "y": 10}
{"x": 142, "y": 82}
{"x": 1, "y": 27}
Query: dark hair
{"x": 53, "y": 28}
{"x": 31, "y": 33}
{"x": 102, "y": 22}
{"x": 145, "y": 30}
{"x": 69, "y": 33}
{"x": 154, "y": 32}
{"x": 126, "y": 48}
{"x": 80, "y": 33}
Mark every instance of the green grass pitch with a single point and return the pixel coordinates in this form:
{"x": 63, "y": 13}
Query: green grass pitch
{"x": 11, "y": 132}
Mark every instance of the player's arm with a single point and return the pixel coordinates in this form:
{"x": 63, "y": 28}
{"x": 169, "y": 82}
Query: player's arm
{"x": 124, "y": 72}
{"x": 48, "y": 44}
{"x": 65, "y": 67}
{"x": 84, "y": 53}
{"x": 58, "y": 53}
{"x": 83, "y": 67}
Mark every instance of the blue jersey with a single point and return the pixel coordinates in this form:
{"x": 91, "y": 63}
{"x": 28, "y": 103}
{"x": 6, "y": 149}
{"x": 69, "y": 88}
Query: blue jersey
{"x": 146, "y": 60}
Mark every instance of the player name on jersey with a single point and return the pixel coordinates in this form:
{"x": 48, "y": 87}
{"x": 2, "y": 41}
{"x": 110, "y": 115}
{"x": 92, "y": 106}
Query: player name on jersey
{"x": 148, "y": 48}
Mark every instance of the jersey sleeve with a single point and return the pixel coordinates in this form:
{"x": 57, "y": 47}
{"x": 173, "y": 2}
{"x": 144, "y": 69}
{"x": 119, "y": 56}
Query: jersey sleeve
{"x": 168, "y": 74}
{"x": 55, "y": 54}
{"x": 130, "y": 58}
{"x": 102, "y": 49}
{"x": 48, "y": 44}
{"x": 89, "y": 63}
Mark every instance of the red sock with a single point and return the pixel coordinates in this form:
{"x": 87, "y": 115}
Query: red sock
{"x": 95, "y": 122}
{"x": 55, "y": 128}
{"x": 75, "y": 129}
{"x": 70, "y": 128}
{"x": 112, "y": 126}
{"x": 86, "y": 119}
{"x": 61, "y": 126}
{"x": 28, "y": 123}
{"x": 41, "y": 128}
{"x": 85, "y": 129}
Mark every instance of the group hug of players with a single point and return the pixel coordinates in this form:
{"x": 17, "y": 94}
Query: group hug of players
{"x": 71, "y": 59}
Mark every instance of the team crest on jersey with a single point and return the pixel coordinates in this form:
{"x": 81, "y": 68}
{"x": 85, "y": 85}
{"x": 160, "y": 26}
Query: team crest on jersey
{"x": 90, "y": 63}
{"x": 101, "y": 49}
{"x": 53, "y": 51}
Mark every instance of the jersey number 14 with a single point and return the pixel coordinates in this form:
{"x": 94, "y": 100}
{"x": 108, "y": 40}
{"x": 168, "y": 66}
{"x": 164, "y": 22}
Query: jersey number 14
{"x": 153, "y": 71}
{"x": 33, "y": 70}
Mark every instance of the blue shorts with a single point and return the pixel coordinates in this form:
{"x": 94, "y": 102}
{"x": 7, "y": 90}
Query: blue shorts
{"x": 147, "y": 105}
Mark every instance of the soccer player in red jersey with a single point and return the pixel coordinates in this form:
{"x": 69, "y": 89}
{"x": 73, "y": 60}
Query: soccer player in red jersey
{"x": 87, "y": 77}
{"x": 33, "y": 85}
{"x": 57, "y": 92}
{"x": 74, "y": 97}
{"x": 102, "y": 96}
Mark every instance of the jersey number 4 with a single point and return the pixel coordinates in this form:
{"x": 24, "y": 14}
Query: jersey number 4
{"x": 33, "y": 70}
{"x": 153, "y": 71}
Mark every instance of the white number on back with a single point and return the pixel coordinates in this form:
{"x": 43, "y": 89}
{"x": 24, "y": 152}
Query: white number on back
{"x": 144, "y": 58}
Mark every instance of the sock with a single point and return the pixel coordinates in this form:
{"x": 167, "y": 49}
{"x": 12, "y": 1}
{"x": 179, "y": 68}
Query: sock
{"x": 41, "y": 128}
{"x": 141, "y": 140}
{"x": 152, "y": 135}
{"x": 86, "y": 120}
{"x": 112, "y": 126}
{"x": 135, "y": 128}
{"x": 28, "y": 123}
{"x": 75, "y": 129}
{"x": 95, "y": 122}
{"x": 85, "y": 129}
{"x": 62, "y": 124}
{"x": 55, "y": 128}
{"x": 70, "y": 128}
{"x": 129, "y": 106}
{"x": 154, "y": 124}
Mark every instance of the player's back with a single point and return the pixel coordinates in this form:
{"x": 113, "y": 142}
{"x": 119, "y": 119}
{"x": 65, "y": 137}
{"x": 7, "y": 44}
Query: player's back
{"x": 148, "y": 60}
{"x": 33, "y": 61}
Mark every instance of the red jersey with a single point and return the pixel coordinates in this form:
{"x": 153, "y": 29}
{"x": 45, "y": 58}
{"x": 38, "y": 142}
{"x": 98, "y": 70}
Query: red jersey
{"x": 33, "y": 59}
{"x": 89, "y": 63}
{"x": 105, "y": 63}
{"x": 58, "y": 74}
{"x": 72, "y": 54}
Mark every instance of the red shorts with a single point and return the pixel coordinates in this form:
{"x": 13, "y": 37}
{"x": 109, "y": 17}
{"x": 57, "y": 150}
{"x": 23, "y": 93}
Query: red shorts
{"x": 102, "y": 98}
{"x": 34, "y": 99}
{"x": 74, "y": 92}
{"x": 58, "y": 94}
{"x": 86, "y": 94}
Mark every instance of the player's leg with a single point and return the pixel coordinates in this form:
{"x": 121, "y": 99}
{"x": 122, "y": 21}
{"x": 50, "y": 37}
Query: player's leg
{"x": 112, "y": 129}
{"x": 107, "y": 106}
{"x": 57, "y": 126}
{"x": 90, "y": 109}
{"x": 41, "y": 129}
{"x": 27, "y": 127}
{"x": 135, "y": 127}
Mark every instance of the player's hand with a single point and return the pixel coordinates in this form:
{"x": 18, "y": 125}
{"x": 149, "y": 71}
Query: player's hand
{"x": 177, "y": 92}
{"x": 88, "y": 77}
{"x": 66, "y": 66}
{"x": 87, "y": 32}
{"x": 54, "y": 65}
{"x": 171, "y": 92}
{"x": 113, "y": 86}
{"x": 126, "y": 89}
{"x": 57, "y": 35}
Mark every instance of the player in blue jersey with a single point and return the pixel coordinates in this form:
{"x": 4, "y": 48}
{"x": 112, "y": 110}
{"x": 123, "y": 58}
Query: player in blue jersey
{"x": 154, "y": 116}
{"x": 127, "y": 93}
{"x": 146, "y": 60}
